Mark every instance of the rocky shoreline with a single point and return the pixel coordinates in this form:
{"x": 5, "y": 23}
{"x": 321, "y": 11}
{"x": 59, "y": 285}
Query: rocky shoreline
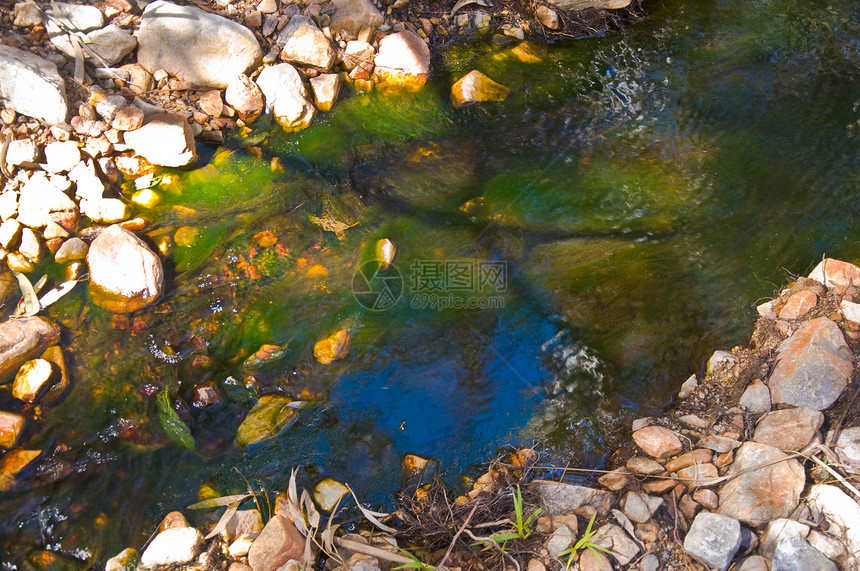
{"x": 754, "y": 467}
{"x": 751, "y": 467}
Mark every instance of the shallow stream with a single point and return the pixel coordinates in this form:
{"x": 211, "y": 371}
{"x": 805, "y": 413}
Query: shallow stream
{"x": 565, "y": 259}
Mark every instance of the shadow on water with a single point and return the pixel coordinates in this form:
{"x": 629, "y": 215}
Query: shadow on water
{"x": 640, "y": 192}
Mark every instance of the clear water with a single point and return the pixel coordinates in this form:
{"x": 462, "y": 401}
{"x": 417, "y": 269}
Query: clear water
{"x": 641, "y": 191}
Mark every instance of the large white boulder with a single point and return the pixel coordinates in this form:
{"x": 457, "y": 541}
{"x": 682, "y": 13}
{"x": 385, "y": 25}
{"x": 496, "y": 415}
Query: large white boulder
{"x": 195, "y": 46}
{"x": 32, "y": 86}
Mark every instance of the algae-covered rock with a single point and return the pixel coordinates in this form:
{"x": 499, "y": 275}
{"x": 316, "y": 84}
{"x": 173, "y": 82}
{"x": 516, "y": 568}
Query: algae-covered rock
{"x": 270, "y": 415}
{"x": 333, "y": 347}
{"x": 475, "y": 87}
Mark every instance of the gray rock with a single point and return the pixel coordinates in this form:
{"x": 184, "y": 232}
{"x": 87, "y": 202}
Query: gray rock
{"x": 795, "y": 554}
{"x": 71, "y": 250}
{"x": 585, "y": 4}
{"x": 172, "y": 547}
{"x": 109, "y": 105}
{"x": 756, "y": 397}
{"x": 714, "y": 539}
{"x": 189, "y": 43}
{"x": 165, "y": 139}
{"x": 560, "y": 540}
{"x": 649, "y": 562}
{"x": 559, "y": 498}
{"x": 306, "y": 45}
{"x": 110, "y": 43}
{"x": 688, "y": 387}
{"x": 779, "y": 529}
{"x": 848, "y": 445}
{"x": 125, "y": 274}
{"x": 767, "y": 485}
{"x": 640, "y": 507}
{"x": 613, "y": 538}
{"x": 286, "y": 96}
{"x": 32, "y": 86}
{"x": 84, "y": 18}
{"x": 403, "y": 59}
{"x": 790, "y": 429}
{"x": 279, "y": 542}
{"x": 719, "y": 444}
{"x": 23, "y": 339}
{"x": 813, "y": 366}
{"x": 351, "y": 15}
{"x": 754, "y": 563}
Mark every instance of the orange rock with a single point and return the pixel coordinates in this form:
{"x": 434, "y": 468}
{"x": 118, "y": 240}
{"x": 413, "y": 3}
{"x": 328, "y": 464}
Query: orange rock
{"x": 657, "y": 441}
{"x": 333, "y": 347}
{"x": 317, "y": 271}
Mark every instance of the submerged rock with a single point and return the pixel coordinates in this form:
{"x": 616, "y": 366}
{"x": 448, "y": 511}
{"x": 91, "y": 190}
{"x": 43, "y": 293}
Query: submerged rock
{"x": 32, "y": 379}
{"x": 328, "y": 493}
{"x": 189, "y": 43}
{"x": 13, "y": 463}
{"x": 22, "y": 339}
{"x": 32, "y": 86}
{"x": 125, "y": 274}
{"x": 270, "y": 415}
{"x": 333, "y": 347}
{"x": 11, "y": 425}
{"x": 475, "y": 87}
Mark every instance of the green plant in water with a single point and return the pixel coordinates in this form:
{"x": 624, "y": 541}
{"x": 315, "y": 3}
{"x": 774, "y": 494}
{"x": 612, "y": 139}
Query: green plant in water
{"x": 584, "y": 541}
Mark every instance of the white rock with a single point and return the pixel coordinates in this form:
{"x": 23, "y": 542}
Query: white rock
{"x": 560, "y": 540}
{"x": 172, "y": 547}
{"x": 720, "y": 358}
{"x": 88, "y": 184}
{"x": 22, "y": 151}
{"x": 61, "y": 156}
{"x": 42, "y": 202}
{"x": 403, "y": 59}
{"x": 84, "y": 18}
{"x": 326, "y": 88}
{"x": 189, "y": 43}
{"x": 32, "y": 86}
{"x": 105, "y": 210}
{"x": 328, "y": 493}
{"x": 848, "y": 445}
{"x": 27, "y": 14}
{"x": 125, "y": 274}
{"x": 165, "y": 139}
{"x": 306, "y": 45}
{"x": 766, "y": 309}
{"x": 850, "y": 310}
{"x": 840, "y": 510}
{"x": 286, "y": 96}
{"x": 640, "y": 507}
{"x": 110, "y": 43}
{"x": 687, "y": 387}
{"x": 31, "y": 380}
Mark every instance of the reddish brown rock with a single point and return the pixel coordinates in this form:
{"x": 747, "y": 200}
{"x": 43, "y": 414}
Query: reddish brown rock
{"x": 279, "y": 542}
{"x": 697, "y": 456}
{"x": 11, "y": 425}
{"x": 657, "y": 441}
{"x": 798, "y": 305}
{"x": 832, "y": 272}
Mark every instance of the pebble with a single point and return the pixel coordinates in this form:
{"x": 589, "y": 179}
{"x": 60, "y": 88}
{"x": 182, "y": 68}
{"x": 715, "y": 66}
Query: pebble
{"x": 657, "y": 441}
